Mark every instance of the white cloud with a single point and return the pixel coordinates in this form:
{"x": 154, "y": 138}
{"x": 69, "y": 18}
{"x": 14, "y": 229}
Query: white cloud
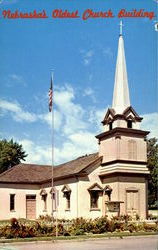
{"x": 36, "y": 154}
{"x": 64, "y": 95}
{"x": 19, "y": 115}
{"x": 77, "y": 130}
{"x": 150, "y": 123}
{"x": 95, "y": 118}
{"x": 87, "y": 56}
{"x": 76, "y": 145}
{"x": 85, "y": 140}
{"x": 72, "y": 114}
{"x": 79, "y": 143}
{"x": 89, "y": 53}
{"x": 15, "y": 79}
{"x": 90, "y": 92}
{"x": 66, "y": 112}
{"x": 75, "y": 125}
{"x": 16, "y": 111}
{"x": 54, "y": 121}
{"x": 86, "y": 61}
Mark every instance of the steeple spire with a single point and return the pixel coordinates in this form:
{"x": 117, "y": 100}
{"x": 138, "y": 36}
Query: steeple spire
{"x": 121, "y": 98}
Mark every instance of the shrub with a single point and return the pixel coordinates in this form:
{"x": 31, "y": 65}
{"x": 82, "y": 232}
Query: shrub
{"x": 100, "y": 225}
{"x": 110, "y": 226}
{"x": 78, "y": 232}
{"x": 66, "y": 233}
{"x": 137, "y": 217}
{"x": 60, "y": 228}
{"x": 132, "y": 227}
{"x": 14, "y": 223}
{"x": 46, "y": 218}
{"x": 120, "y": 226}
{"x": 77, "y": 226}
{"x": 80, "y": 223}
{"x": 43, "y": 229}
{"x": 150, "y": 227}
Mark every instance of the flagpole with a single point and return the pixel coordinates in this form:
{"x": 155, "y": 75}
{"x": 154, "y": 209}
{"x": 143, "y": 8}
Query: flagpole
{"x": 51, "y": 108}
{"x": 52, "y": 139}
{"x": 52, "y": 159}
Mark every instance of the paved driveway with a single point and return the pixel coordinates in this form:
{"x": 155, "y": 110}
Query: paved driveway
{"x": 137, "y": 243}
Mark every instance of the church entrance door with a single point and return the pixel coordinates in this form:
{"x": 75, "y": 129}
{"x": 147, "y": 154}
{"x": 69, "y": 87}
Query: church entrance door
{"x": 132, "y": 202}
{"x": 31, "y": 206}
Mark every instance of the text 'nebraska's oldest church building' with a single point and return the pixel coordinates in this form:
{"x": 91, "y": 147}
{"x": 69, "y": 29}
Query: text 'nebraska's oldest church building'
{"x": 111, "y": 182}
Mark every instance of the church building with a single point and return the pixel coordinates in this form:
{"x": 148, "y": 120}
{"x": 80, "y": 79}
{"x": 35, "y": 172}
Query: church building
{"x": 112, "y": 181}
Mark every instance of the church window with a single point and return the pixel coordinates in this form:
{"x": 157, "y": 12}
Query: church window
{"x": 44, "y": 197}
{"x": 94, "y": 197}
{"x": 129, "y": 124}
{"x": 132, "y": 149}
{"x": 43, "y": 194}
{"x": 110, "y": 126}
{"x": 55, "y": 196}
{"x": 12, "y": 202}
{"x": 95, "y": 191}
{"x": 108, "y": 191}
{"x": 54, "y": 200}
{"x": 67, "y": 194}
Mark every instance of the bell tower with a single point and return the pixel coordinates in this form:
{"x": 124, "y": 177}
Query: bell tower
{"x": 122, "y": 145}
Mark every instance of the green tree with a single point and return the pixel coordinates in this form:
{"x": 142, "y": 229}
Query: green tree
{"x": 11, "y": 153}
{"x": 152, "y": 163}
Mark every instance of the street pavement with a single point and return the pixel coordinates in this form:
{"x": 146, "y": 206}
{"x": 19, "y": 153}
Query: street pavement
{"x": 134, "y": 243}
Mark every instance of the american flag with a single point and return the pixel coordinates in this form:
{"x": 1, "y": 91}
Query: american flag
{"x": 51, "y": 95}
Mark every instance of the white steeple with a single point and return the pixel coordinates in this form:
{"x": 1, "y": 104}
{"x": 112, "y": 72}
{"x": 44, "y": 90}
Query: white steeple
{"x": 121, "y": 98}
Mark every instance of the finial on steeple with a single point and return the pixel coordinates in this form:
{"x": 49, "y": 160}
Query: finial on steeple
{"x": 121, "y": 25}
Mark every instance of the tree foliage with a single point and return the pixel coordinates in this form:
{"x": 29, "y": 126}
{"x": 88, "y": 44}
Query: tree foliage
{"x": 152, "y": 163}
{"x": 11, "y": 153}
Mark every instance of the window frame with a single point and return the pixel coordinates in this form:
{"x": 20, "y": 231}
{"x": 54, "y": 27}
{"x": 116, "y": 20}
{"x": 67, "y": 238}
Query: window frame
{"x": 44, "y": 198}
{"x": 67, "y": 195}
{"x": 12, "y": 202}
{"x": 94, "y": 194}
{"x": 55, "y": 196}
{"x": 129, "y": 124}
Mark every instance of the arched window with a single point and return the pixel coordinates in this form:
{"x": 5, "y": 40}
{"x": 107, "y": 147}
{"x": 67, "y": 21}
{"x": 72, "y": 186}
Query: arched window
{"x": 132, "y": 150}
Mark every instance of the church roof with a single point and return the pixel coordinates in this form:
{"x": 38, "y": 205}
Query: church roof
{"x": 126, "y": 115}
{"x": 37, "y": 174}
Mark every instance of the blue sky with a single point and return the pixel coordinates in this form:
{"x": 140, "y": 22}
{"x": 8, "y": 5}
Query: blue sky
{"x": 83, "y": 56}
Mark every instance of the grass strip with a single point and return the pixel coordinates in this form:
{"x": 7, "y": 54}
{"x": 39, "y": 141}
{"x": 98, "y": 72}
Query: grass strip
{"x": 80, "y": 237}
